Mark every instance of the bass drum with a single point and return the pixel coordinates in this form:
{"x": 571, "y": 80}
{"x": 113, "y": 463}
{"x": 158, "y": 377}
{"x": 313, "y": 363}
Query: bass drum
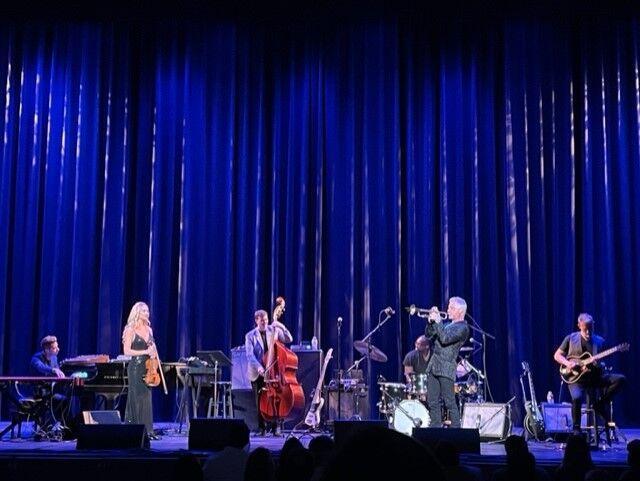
{"x": 409, "y": 414}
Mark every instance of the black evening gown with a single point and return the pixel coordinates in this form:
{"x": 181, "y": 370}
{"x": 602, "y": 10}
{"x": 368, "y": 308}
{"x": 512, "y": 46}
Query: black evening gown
{"x": 139, "y": 410}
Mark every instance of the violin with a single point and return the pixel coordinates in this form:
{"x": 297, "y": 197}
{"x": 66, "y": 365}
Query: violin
{"x": 154, "y": 374}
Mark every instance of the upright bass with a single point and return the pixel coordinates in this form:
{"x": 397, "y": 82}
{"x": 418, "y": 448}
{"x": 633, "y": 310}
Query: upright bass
{"x": 282, "y": 398}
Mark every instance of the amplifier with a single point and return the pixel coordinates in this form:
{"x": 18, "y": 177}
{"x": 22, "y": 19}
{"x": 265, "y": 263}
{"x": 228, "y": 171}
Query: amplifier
{"x": 493, "y": 420}
{"x": 557, "y": 418}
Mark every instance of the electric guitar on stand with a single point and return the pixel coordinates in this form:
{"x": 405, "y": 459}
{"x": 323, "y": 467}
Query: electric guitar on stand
{"x": 313, "y": 416}
{"x": 533, "y": 421}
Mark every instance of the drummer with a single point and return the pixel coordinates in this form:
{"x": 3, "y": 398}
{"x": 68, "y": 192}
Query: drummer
{"x": 416, "y": 361}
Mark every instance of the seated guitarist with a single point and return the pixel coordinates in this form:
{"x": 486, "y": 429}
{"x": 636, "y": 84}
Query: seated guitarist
{"x": 575, "y": 344}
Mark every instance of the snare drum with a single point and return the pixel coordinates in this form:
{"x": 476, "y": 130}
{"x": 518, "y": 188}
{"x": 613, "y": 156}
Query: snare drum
{"x": 410, "y": 414}
{"x": 391, "y": 394}
{"x": 418, "y": 384}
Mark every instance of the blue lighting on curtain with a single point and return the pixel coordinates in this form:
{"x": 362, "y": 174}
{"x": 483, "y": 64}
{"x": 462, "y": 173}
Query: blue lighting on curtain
{"x": 208, "y": 167}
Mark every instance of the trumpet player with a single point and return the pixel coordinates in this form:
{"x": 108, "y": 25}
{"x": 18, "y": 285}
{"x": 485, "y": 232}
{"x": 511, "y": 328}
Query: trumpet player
{"x": 446, "y": 341}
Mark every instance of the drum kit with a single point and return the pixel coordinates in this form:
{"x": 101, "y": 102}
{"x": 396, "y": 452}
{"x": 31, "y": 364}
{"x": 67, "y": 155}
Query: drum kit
{"x": 404, "y": 404}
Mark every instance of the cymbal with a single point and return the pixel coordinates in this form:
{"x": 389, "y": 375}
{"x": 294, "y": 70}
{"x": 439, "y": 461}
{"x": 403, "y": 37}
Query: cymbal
{"x": 375, "y": 354}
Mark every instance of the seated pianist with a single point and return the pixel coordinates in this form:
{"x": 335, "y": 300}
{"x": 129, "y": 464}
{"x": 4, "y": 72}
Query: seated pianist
{"x": 45, "y": 363}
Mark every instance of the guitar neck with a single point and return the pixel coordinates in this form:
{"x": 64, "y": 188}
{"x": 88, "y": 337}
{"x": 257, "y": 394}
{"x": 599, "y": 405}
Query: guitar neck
{"x": 318, "y": 392}
{"x": 603, "y": 354}
{"x": 534, "y": 401}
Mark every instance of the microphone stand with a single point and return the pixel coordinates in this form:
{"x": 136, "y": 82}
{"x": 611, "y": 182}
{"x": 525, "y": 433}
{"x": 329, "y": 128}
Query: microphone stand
{"x": 475, "y": 327}
{"x": 368, "y": 337}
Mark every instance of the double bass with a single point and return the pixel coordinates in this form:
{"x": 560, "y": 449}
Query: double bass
{"x": 282, "y": 398}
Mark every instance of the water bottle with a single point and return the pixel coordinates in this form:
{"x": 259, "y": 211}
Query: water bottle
{"x": 314, "y": 343}
{"x": 550, "y": 397}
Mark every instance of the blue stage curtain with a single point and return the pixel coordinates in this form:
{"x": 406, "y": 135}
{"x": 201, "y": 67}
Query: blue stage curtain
{"x": 208, "y": 167}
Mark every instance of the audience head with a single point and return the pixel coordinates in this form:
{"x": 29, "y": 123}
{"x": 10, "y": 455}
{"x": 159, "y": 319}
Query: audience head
{"x": 260, "y": 466}
{"x": 365, "y": 456}
{"x": 289, "y": 444}
{"x": 577, "y": 452}
{"x": 633, "y": 453}
{"x": 295, "y": 465}
{"x": 321, "y": 448}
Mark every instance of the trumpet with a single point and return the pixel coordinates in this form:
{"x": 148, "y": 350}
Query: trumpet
{"x": 424, "y": 313}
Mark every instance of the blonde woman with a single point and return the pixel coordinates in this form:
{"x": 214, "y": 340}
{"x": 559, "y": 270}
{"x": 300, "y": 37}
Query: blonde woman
{"x": 137, "y": 342}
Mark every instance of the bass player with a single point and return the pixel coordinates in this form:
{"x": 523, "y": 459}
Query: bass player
{"x": 256, "y": 344}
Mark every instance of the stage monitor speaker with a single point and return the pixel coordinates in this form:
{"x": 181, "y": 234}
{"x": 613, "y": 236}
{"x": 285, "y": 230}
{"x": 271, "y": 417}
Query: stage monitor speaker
{"x": 101, "y": 417}
{"x": 244, "y": 407}
{"x": 342, "y": 430}
{"x": 493, "y": 420}
{"x": 112, "y": 436}
{"x": 557, "y": 418}
{"x": 217, "y": 434}
{"x": 466, "y": 440}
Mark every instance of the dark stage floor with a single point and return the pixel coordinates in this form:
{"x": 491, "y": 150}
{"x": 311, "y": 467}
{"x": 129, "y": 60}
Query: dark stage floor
{"x": 163, "y": 453}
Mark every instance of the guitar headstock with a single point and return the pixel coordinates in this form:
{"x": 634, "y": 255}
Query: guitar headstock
{"x": 329, "y": 354}
{"x": 625, "y": 346}
{"x": 525, "y": 366}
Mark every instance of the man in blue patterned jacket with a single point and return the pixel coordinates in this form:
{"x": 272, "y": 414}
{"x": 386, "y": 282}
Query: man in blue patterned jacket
{"x": 446, "y": 339}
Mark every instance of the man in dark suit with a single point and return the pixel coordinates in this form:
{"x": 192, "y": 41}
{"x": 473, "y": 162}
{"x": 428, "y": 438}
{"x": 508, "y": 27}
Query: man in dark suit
{"x": 446, "y": 340}
{"x": 45, "y": 362}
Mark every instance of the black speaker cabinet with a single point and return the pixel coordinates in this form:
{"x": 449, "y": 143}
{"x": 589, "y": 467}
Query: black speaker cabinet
{"x": 244, "y": 407}
{"x": 493, "y": 420}
{"x": 342, "y": 430}
{"x": 466, "y": 440}
{"x": 216, "y": 434}
{"x": 112, "y": 436}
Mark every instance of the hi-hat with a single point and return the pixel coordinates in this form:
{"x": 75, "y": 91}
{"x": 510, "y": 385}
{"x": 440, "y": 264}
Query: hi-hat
{"x": 370, "y": 350}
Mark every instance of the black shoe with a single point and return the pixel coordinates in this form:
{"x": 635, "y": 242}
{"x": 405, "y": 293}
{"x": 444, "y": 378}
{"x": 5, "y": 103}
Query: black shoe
{"x": 258, "y": 433}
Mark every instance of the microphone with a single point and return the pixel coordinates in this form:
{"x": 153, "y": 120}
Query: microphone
{"x": 339, "y": 321}
{"x": 389, "y": 311}
{"x": 473, "y": 341}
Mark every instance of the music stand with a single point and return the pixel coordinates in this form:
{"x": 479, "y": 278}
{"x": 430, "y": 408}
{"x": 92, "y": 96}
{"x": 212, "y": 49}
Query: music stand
{"x": 216, "y": 359}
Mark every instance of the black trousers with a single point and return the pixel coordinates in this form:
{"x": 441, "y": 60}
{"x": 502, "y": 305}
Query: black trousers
{"x": 256, "y": 386}
{"x": 440, "y": 387}
{"x": 608, "y": 385}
